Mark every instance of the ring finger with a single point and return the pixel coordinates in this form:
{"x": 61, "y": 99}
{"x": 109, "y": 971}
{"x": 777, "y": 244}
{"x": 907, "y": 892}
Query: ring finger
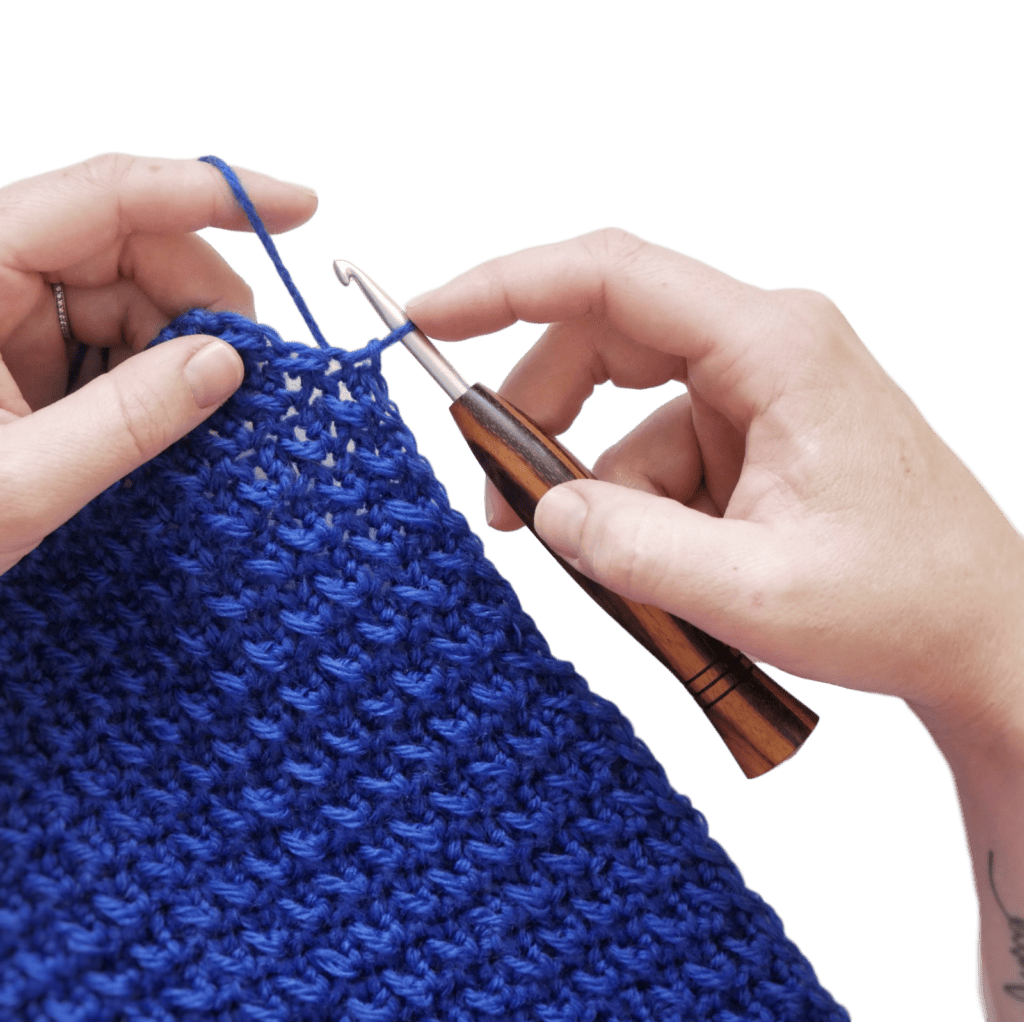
{"x": 176, "y": 271}
{"x": 120, "y": 307}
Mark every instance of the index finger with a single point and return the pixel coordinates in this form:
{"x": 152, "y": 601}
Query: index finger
{"x": 65, "y": 217}
{"x": 655, "y": 296}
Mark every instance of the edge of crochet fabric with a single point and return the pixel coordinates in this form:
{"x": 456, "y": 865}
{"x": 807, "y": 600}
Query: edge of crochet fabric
{"x": 277, "y": 742}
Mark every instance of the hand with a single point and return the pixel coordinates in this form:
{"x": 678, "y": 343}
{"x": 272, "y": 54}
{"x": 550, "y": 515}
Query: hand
{"x": 117, "y": 231}
{"x": 792, "y": 502}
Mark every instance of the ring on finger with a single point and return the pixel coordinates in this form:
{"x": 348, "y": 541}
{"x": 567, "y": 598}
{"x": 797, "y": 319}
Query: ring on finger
{"x": 62, "y": 313}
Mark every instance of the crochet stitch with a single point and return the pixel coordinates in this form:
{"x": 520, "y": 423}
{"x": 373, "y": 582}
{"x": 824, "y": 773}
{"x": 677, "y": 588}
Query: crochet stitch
{"x": 278, "y": 743}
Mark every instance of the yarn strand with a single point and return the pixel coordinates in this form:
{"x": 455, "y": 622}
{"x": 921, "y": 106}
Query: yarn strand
{"x": 277, "y": 743}
{"x": 243, "y": 200}
{"x": 374, "y": 348}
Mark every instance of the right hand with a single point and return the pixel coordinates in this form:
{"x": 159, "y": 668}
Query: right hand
{"x": 793, "y": 502}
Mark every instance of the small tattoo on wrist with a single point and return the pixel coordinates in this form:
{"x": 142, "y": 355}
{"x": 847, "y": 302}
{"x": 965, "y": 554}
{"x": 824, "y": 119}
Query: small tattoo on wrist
{"x": 1014, "y": 990}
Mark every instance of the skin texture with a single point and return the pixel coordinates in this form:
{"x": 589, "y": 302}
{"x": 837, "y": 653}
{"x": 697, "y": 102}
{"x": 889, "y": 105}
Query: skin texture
{"x": 119, "y": 233}
{"x": 793, "y": 503}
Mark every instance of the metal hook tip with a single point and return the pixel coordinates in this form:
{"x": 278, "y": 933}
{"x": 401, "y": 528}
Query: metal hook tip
{"x": 394, "y": 316}
{"x": 343, "y": 270}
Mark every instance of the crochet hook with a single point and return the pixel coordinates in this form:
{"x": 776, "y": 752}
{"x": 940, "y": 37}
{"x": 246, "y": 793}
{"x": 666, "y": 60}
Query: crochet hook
{"x": 759, "y": 721}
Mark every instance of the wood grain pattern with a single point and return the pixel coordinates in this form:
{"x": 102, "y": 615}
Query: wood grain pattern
{"x": 759, "y": 721}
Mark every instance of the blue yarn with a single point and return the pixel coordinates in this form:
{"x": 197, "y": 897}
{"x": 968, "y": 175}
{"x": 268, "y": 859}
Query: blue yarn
{"x": 242, "y": 197}
{"x": 394, "y": 336}
{"x": 243, "y": 200}
{"x": 278, "y": 743}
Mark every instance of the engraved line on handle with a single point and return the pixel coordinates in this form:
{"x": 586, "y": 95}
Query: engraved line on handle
{"x": 704, "y": 670}
{"x": 742, "y": 680}
{"x": 727, "y": 663}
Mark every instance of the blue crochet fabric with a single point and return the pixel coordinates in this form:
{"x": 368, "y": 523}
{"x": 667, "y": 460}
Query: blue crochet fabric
{"x": 278, "y": 743}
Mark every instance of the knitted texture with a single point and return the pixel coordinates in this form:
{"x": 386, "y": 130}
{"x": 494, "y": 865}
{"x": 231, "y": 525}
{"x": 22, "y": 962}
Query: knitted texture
{"x": 278, "y": 743}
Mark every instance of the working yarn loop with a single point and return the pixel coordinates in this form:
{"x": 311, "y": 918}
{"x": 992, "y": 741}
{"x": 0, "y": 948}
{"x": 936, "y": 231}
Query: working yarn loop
{"x": 373, "y": 349}
{"x": 277, "y": 742}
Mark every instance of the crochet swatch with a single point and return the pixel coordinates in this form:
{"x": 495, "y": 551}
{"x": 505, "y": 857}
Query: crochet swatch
{"x": 278, "y": 743}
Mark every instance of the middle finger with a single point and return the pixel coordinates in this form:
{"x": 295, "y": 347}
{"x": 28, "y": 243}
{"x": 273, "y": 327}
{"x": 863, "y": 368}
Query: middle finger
{"x": 121, "y": 306}
{"x": 551, "y": 382}
{"x": 176, "y": 272}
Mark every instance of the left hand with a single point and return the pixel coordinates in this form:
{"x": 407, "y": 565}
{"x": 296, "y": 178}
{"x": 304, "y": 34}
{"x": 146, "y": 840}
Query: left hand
{"x": 118, "y": 232}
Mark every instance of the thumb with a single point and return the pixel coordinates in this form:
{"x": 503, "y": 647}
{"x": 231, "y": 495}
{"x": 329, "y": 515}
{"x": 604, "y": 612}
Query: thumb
{"x": 57, "y": 459}
{"x": 713, "y": 572}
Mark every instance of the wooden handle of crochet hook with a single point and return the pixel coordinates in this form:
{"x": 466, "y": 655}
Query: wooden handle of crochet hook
{"x": 759, "y": 721}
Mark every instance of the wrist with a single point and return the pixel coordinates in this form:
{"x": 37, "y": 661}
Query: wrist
{"x": 980, "y": 723}
{"x": 977, "y": 678}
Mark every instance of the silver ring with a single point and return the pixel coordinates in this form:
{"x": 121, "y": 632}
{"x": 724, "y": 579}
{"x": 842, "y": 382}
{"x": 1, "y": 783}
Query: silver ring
{"x": 62, "y": 313}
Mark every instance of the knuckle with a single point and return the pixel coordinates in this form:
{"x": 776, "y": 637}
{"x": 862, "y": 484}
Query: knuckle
{"x": 34, "y": 195}
{"x": 619, "y": 464}
{"x": 245, "y": 295}
{"x": 611, "y": 251}
{"x": 16, "y": 513}
{"x": 235, "y": 296}
{"x": 619, "y": 549}
{"x": 98, "y": 174}
{"x": 616, "y": 245}
{"x": 140, "y": 415}
{"x": 107, "y": 169}
{"x": 604, "y": 467}
{"x": 809, "y": 305}
{"x": 809, "y": 323}
{"x": 107, "y": 174}
{"x": 26, "y": 497}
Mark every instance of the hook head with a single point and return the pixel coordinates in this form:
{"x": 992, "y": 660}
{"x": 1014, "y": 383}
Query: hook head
{"x": 389, "y": 311}
{"x": 343, "y": 271}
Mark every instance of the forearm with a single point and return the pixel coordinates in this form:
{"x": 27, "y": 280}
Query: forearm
{"x": 988, "y": 767}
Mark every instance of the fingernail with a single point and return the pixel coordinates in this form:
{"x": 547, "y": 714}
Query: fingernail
{"x": 213, "y": 373}
{"x": 419, "y": 298}
{"x": 305, "y": 188}
{"x": 559, "y": 519}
